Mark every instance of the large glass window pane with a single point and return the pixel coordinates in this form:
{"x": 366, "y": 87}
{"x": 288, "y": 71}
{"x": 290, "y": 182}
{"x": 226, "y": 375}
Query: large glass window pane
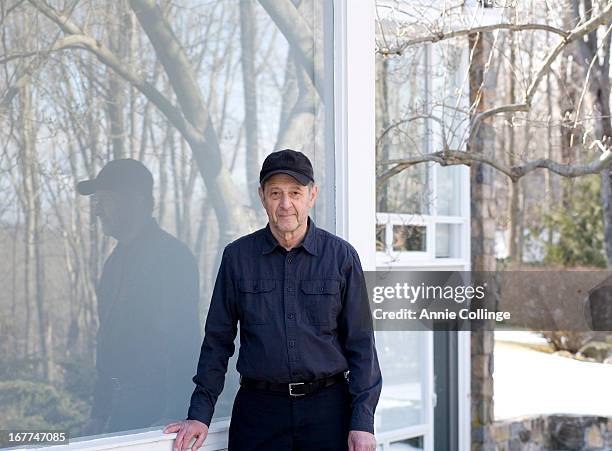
{"x": 449, "y": 93}
{"x": 448, "y": 240}
{"x": 403, "y": 362}
{"x": 409, "y": 238}
{"x": 402, "y": 131}
{"x": 448, "y": 190}
{"x": 407, "y": 192}
{"x": 107, "y": 357}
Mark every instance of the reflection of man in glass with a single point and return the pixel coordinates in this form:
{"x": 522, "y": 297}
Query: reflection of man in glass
{"x": 147, "y": 306}
{"x": 300, "y": 297}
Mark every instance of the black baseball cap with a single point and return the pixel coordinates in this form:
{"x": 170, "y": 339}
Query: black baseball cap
{"x": 289, "y": 162}
{"x": 123, "y": 175}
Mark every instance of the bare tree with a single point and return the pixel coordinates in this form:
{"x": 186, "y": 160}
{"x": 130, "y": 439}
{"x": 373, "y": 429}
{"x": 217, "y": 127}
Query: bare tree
{"x": 579, "y": 45}
{"x": 449, "y": 156}
{"x": 249, "y": 83}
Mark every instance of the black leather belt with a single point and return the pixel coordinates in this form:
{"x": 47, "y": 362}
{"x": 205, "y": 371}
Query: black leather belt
{"x": 296, "y": 388}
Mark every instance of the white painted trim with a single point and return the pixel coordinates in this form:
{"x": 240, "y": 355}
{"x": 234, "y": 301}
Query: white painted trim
{"x": 409, "y": 263}
{"x": 354, "y": 92}
{"x": 464, "y": 341}
{"x": 141, "y": 440}
{"x": 466, "y": 251}
{"x": 418, "y": 219}
{"x": 385, "y": 439}
{"x": 464, "y": 410}
{"x": 340, "y": 117}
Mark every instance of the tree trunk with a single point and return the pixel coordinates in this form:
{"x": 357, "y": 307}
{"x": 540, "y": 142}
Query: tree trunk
{"x": 117, "y": 86}
{"x": 605, "y": 129}
{"x": 176, "y": 176}
{"x": 568, "y": 100}
{"x": 549, "y": 151}
{"x": 382, "y": 117}
{"x": 522, "y": 209}
{"x": 514, "y": 187}
{"x": 249, "y": 83}
{"x": 33, "y": 236}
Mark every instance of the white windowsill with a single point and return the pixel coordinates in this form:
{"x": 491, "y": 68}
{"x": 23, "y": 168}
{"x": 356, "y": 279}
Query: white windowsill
{"x": 150, "y": 440}
{"x": 410, "y": 262}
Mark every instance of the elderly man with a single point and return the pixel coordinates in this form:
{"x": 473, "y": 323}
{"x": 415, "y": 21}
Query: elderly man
{"x": 147, "y": 304}
{"x": 299, "y": 295}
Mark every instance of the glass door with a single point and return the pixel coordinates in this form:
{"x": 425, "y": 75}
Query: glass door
{"x": 404, "y": 417}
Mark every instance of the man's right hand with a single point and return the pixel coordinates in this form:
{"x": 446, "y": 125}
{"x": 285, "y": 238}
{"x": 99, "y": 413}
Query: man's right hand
{"x": 186, "y": 430}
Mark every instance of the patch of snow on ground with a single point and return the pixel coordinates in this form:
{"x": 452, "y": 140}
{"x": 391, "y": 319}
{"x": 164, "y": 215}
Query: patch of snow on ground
{"x": 528, "y": 382}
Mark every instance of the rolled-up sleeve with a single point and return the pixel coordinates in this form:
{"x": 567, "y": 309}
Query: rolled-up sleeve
{"x": 357, "y": 338}
{"x": 217, "y": 347}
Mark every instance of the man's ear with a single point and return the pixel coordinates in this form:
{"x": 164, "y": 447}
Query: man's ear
{"x": 261, "y": 195}
{"x": 314, "y": 191}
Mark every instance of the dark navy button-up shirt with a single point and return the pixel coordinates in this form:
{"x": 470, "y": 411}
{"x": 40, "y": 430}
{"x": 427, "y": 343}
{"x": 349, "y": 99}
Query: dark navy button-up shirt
{"x": 303, "y": 314}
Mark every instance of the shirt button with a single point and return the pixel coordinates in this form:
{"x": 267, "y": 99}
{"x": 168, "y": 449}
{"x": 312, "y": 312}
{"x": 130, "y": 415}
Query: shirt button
{"x": 290, "y": 315}
{"x": 292, "y": 343}
{"x": 289, "y": 260}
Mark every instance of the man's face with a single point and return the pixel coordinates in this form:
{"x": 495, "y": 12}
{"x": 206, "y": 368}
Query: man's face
{"x": 287, "y": 203}
{"x": 110, "y": 208}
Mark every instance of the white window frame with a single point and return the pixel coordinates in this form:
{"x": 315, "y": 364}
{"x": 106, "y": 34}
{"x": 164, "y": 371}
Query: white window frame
{"x": 354, "y": 93}
{"x": 354, "y": 32}
{"x": 408, "y": 259}
{"x": 356, "y": 195}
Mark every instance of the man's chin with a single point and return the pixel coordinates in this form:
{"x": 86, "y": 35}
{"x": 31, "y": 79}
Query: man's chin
{"x": 287, "y": 227}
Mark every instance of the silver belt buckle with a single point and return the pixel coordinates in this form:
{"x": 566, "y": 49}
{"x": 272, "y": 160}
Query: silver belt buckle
{"x": 291, "y": 386}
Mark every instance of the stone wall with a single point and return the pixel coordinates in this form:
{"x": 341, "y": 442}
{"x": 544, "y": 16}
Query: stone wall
{"x": 550, "y": 432}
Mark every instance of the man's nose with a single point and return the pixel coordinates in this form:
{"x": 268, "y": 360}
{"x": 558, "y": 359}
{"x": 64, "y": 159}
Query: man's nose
{"x": 285, "y": 202}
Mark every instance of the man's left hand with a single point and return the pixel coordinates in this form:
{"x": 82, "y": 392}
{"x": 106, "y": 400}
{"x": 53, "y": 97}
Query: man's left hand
{"x": 361, "y": 441}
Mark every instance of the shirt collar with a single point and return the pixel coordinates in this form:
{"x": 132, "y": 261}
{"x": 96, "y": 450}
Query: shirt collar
{"x": 309, "y": 243}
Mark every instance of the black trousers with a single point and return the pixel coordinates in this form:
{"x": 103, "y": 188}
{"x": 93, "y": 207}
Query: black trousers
{"x": 269, "y": 421}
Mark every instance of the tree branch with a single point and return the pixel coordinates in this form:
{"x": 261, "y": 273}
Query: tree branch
{"x": 76, "y": 39}
{"x": 440, "y": 36}
{"x": 576, "y": 34}
{"x": 458, "y": 157}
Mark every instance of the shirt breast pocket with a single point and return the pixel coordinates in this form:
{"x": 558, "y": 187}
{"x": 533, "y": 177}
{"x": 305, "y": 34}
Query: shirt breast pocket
{"x": 321, "y": 300}
{"x": 257, "y": 299}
